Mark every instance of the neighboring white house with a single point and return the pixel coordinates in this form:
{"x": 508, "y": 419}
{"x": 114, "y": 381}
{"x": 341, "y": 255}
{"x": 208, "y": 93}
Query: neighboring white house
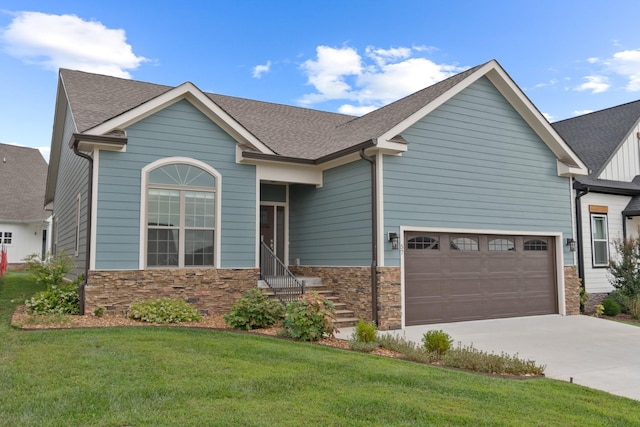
{"x": 24, "y": 224}
{"x": 607, "y": 201}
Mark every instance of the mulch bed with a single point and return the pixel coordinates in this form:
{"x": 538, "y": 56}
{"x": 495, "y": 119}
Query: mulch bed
{"x": 22, "y": 320}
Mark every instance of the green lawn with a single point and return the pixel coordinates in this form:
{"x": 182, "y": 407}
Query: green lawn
{"x": 159, "y": 376}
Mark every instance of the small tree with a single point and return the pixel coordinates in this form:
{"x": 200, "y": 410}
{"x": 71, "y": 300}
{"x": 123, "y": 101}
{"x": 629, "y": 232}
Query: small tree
{"x": 625, "y": 271}
{"x": 59, "y": 296}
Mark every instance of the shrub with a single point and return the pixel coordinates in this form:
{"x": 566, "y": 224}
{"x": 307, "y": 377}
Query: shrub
{"x": 634, "y": 306}
{"x": 310, "y": 318}
{"x": 99, "y": 311}
{"x": 437, "y": 341}
{"x": 610, "y": 307}
{"x": 408, "y": 349}
{"x": 625, "y": 270}
{"x": 599, "y": 310}
{"x": 254, "y": 310}
{"x": 622, "y": 300}
{"x": 365, "y": 332}
{"x": 59, "y": 296}
{"x": 163, "y": 310}
{"x": 470, "y": 358}
{"x": 61, "y": 299}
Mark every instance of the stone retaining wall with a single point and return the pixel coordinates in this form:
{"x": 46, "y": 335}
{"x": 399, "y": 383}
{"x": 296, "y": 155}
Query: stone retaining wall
{"x": 212, "y": 291}
{"x": 571, "y": 290}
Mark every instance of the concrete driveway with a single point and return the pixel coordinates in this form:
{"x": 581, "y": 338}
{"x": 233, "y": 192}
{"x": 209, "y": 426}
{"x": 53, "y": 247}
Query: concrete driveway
{"x": 596, "y": 353}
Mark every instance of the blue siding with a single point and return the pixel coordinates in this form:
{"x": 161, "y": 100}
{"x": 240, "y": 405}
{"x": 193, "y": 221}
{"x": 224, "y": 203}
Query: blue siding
{"x": 332, "y": 225}
{"x": 474, "y": 163}
{"x": 179, "y": 130}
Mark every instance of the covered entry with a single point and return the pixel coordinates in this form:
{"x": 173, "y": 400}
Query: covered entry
{"x": 458, "y": 277}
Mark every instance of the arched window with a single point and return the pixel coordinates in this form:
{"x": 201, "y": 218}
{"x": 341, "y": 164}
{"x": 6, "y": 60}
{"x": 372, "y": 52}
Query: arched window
{"x": 502, "y": 244}
{"x": 464, "y": 244}
{"x": 423, "y": 242}
{"x": 180, "y": 216}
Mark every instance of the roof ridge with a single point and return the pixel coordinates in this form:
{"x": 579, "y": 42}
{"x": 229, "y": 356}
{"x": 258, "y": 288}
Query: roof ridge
{"x": 580, "y": 116}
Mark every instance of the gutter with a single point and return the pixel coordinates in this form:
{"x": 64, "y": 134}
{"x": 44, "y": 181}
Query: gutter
{"x": 87, "y": 256}
{"x": 581, "y": 190}
{"x": 374, "y": 235}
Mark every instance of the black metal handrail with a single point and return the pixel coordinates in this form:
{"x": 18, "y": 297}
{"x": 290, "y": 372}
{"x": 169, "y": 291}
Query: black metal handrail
{"x": 285, "y": 286}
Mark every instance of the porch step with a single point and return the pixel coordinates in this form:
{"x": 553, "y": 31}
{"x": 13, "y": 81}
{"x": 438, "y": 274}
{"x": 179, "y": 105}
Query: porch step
{"x": 345, "y": 318}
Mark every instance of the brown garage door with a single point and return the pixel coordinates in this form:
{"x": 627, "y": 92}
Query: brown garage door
{"x": 457, "y": 277}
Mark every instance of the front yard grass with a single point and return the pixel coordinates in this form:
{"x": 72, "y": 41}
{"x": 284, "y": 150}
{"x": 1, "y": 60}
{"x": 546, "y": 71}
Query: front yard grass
{"x": 157, "y": 376}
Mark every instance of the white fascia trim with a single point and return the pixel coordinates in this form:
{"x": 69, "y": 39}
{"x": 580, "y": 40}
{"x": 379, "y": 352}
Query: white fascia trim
{"x": 569, "y": 171}
{"x": 257, "y": 217}
{"x": 143, "y": 204}
{"x": 289, "y": 173}
{"x": 192, "y": 94}
{"x": 94, "y": 209}
{"x": 413, "y": 119}
{"x": 530, "y": 113}
{"x": 559, "y": 261}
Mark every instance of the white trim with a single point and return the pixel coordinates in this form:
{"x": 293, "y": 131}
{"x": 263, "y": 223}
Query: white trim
{"x": 257, "y": 220}
{"x": 94, "y": 209}
{"x": 196, "y": 97}
{"x": 559, "y": 261}
{"x": 574, "y": 228}
{"x": 143, "y": 204}
{"x": 592, "y": 217}
{"x": 77, "y": 226}
{"x": 380, "y": 208}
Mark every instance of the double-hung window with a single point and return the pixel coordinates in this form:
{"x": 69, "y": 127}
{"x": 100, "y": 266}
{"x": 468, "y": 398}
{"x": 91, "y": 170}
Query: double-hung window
{"x": 6, "y": 238}
{"x": 599, "y": 240}
{"x": 181, "y": 216}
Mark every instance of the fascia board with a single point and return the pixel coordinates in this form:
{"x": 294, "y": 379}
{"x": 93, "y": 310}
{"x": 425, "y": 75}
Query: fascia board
{"x": 568, "y": 170}
{"x": 413, "y": 119}
{"x": 194, "y": 95}
{"x": 530, "y": 113}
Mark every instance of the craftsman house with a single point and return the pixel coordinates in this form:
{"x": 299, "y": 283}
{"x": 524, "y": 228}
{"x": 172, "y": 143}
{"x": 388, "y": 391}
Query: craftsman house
{"x": 457, "y": 198}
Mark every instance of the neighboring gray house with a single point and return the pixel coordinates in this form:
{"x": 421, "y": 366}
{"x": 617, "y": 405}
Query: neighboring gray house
{"x": 457, "y": 196}
{"x": 608, "y": 199}
{"x": 23, "y": 221}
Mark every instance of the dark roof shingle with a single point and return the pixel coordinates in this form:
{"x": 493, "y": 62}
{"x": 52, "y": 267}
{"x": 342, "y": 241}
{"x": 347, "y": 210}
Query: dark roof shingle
{"x": 23, "y": 175}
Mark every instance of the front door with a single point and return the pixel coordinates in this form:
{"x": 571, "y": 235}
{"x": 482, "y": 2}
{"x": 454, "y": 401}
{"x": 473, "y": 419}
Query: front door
{"x": 272, "y": 225}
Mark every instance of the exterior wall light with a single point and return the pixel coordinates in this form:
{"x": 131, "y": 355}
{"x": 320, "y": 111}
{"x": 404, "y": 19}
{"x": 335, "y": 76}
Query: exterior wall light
{"x": 572, "y": 244}
{"x": 393, "y": 238}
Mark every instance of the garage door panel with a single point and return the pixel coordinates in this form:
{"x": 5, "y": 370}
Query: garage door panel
{"x": 466, "y": 277}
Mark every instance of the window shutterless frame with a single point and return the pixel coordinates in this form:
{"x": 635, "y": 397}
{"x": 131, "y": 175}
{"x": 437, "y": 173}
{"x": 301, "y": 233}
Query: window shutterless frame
{"x": 599, "y": 240}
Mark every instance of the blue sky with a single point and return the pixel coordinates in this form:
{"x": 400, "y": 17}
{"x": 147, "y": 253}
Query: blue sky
{"x": 347, "y": 56}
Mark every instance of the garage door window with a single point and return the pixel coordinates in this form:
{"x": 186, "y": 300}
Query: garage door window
{"x": 502, "y": 245}
{"x": 464, "y": 243}
{"x": 535, "y": 245}
{"x": 423, "y": 242}
{"x": 600, "y": 240}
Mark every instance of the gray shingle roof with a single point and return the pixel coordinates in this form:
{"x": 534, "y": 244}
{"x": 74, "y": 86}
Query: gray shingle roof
{"x": 288, "y": 131}
{"x": 596, "y": 136}
{"x": 23, "y": 174}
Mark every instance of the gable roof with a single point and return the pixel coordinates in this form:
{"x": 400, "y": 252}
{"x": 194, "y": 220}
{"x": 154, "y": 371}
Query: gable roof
{"x": 100, "y": 103}
{"x": 596, "y": 136}
{"x": 23, "y": 173}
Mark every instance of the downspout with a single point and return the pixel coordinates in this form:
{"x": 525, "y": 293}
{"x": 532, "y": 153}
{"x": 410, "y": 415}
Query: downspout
{"x": 579, "y": 193}
{"x": 374, "y": 235}
{"x": 87, "y": 256}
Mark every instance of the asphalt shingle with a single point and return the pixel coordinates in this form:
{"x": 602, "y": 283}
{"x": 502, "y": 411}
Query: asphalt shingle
{"x": 23, "y": 174}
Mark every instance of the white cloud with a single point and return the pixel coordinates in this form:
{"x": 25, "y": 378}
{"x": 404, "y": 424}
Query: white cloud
{"x": 258, "y": 70}
{"x": 545, "y": 84}
{"x": 596, "y": 84}
{"x": 548, "y": 116}
{"x": 593, "y": 60}
{"x": 380, "y": 77}
{"x": 627, "y": 64}
{"x": 581, "y": 112}
{"x": 54, "y": 41}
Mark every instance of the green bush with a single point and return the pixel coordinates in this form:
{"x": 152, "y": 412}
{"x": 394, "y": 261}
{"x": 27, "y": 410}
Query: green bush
{"x": 437, "y": 341}
{"x": 99, "y": 311}
{"x": 408, "y": 349}
{"x": 163, "y": 310}
{"x": 59, "y": 296}
{"x": 365, "y": 332}
{"x": 610, "y": 307}
{"x": 254, "y": 310}
{"x": 310, "y": 318}
{"x": 61, "y": 299}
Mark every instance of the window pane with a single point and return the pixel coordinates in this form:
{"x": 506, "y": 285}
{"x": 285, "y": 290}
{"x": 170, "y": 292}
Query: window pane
{"x": 599, "y": 228}
{"x": 162, "y": 247}
{"x": 501, "y": 245}
{"x": 198, "y": 247}
{"x": 535, "y": 245}
{"x": 199, "y": 208}
{"x": 600, "y": 255}
{"x": 423, "y": 242}
{"x": 464, "y": 244}
{"x": 163, "y": 207}
{"x": 183, "y": 175}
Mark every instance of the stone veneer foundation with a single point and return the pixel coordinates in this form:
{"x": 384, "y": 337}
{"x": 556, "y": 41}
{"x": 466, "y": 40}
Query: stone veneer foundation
{"x": 212, "y": 291}
{"x": 571, "y": 290}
